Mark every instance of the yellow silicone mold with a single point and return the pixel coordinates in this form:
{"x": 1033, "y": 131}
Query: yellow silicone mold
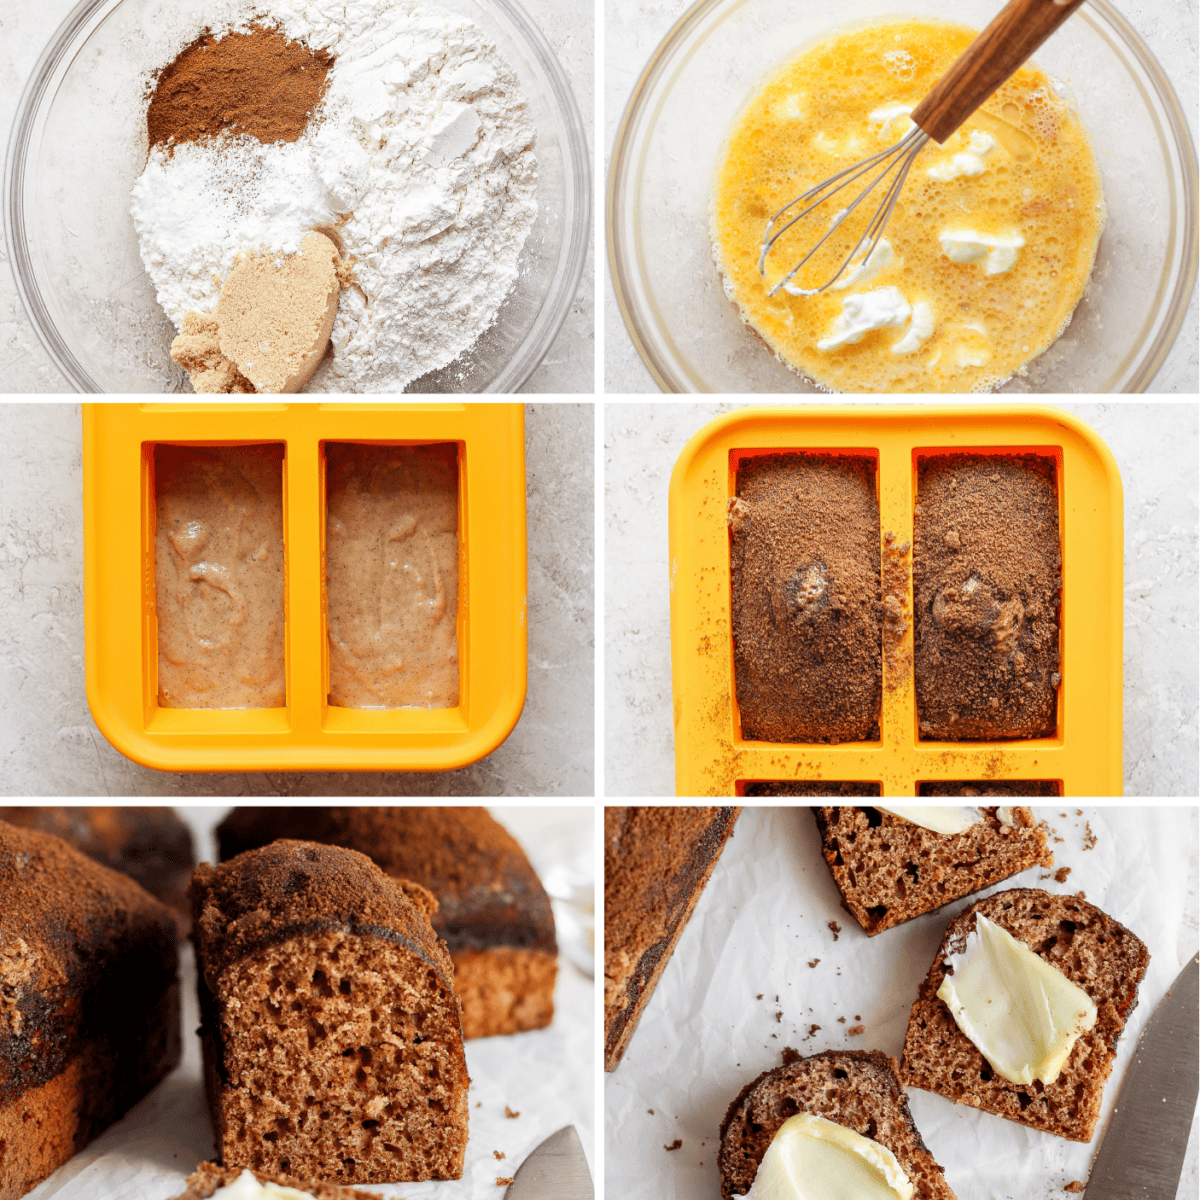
{"x": 711, "y": 756}
{"x": 307, "y": 734}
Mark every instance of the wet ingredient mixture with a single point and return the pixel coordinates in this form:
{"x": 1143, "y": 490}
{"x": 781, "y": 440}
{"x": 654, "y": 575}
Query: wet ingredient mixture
{"x": 988, "y": 249}
{"x": 392, "y": 574}
{"x": 218, "y": 561}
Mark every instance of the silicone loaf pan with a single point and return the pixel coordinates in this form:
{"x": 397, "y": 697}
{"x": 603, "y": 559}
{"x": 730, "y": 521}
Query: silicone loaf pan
{"x": 308, "y": 732}
{"x": 1081, "y": 757}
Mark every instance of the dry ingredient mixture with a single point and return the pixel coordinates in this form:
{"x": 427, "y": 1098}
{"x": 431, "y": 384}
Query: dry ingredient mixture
{"x": 986, "y": 253}
{"x": 392, "y": 575}
{"x": 395, "y": 128}
{"x": 218, "y": 568}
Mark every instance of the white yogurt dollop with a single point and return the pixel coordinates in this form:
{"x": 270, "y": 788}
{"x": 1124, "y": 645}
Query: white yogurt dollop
{"x": 997, "y": 252}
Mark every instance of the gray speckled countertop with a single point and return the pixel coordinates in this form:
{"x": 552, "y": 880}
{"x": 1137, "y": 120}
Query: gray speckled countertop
{"x": 1155, "y": 446}
{"x": 632, "y": 30}
{"x": 26, "y": 26}
{"x": 50, "y": 746}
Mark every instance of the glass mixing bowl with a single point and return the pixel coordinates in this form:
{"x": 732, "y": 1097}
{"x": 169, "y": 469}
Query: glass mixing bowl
{"x": 79, "y": 142}
{"x": 692, "y": 338}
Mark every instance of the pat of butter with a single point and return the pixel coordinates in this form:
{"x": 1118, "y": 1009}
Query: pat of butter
{"x": 946, "y": 819}
{"x": 1023, "y": 1014}
{"x": 997, "y": 252}
{"x": 246, "y": 1187}
{"x": 811, "y": 1158}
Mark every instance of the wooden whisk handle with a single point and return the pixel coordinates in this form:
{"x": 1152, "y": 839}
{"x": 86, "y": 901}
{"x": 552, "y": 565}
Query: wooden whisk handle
{"x": 1020, "y": 28}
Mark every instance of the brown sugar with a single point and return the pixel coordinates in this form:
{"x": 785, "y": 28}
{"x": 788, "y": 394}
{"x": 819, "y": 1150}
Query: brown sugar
{"x": 805, "y": 588}
{"x": 256, "y": 83}
{"x": 987, "y": 569}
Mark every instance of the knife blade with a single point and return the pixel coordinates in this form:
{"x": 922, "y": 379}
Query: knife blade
{"x": 1141, "y": 1153}
{"x": 555, "y": 1170}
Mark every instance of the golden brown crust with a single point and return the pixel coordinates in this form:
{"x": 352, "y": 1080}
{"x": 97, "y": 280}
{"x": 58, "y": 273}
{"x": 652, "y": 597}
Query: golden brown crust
{"x": 1093, "y": 951}
{"x": 889, "y": 870}
{"x": 504, "y": 990}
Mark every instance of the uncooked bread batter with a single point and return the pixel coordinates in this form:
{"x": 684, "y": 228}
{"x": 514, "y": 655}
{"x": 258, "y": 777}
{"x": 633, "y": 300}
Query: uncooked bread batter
{"x": 392, "y": 567}
{"x": 218, "y": 559}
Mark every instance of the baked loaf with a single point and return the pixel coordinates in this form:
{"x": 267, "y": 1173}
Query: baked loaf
{"x": 987, "y": 570}
{"x": 151, "y": 845}
{"x": 855, "y": 1088}
{"x": 804, "y": 572}
{"x": 890, "y": 870}
{"x": 208, "y": 1177}
{"x": 330, "y": 1029}
{"x": 990, "y": 787}
{"x": 1091, "y": 950}
{"x": 656, "y": 863}
{"x": 492, "y": 910}
{"x": 89, "y": 1002}
{"x": 786, "y": 787}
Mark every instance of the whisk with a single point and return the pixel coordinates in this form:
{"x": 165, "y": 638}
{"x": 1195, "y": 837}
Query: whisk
{"x": 1019, "y": 29}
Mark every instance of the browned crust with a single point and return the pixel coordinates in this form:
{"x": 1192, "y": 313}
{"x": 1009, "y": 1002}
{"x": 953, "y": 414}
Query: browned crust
{"x": 858, "y": 1089}
{"x": 656, "y": 863}
{"x": 889, "y": 870}
{"x": 504, "y": 990}
{"x": 1093, "y": 951}
{"x": 208, "y": 1177}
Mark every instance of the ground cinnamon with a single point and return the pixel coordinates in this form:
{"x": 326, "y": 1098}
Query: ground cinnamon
{"x": 255, "y": 83}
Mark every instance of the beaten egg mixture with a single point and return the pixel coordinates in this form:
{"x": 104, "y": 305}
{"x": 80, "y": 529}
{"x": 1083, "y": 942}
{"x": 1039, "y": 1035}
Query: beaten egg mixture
{"x": 987, "y": 251}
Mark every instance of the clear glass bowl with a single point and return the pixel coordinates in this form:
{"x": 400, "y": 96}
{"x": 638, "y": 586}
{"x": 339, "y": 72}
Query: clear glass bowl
{"x": 692, "y": 338}
{"x": 79, "y": 142}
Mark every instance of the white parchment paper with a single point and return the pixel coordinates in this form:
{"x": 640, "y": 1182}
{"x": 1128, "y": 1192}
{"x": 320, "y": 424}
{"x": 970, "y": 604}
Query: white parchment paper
{"x": 759, "y": 968}
{"x": 547, "y": 1075}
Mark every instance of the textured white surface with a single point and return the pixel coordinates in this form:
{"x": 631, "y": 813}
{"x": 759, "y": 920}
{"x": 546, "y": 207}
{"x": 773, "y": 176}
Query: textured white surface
{"x": 26, "y": 26}
{"x": 758, "y": 968}
{"x": 1155, "y": 446}
{"x": 634, "y": 28}
{"x": 50, "y": 746}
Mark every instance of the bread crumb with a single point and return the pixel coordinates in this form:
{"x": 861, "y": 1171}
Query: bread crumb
{"x": 508, "y": 1112}
{"x": 856, "y": 1031}
{"x": 498, "y": 1154}
{"x": 835, "y": 929}
{"x": 1061, "y": 874}
{"x": 502, "y": 1182}
{"x": 1079, "y": 813}
{"x": 778, "y": 1017}
{"x": 1073, "y": 1186}
{"x": 814, "y": 962}
{"x": 841, "y": 1020}
{"x": 1081, "y": 895}
{"x": 759, "y": 996}
{"x": 1089, "y": 838}
{"x": 790, "y": 1056}
{"x": 812, "y": 1029}
{"x": 674, "y": 1145}
{"x": 650, "y": 1111}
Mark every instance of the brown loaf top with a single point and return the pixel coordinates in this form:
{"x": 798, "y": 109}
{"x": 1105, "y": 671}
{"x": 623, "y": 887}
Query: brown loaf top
{"x": 265, "y": 896}
{"x": 791, "y": 787}
{"x": 487, "y": 892}
{"x": 986, "y": 659}
{"x": 889, "y": 870}
{"x": 1093, "y": 951}
{"x": 72, "y": 935}
{"x": 656, "y": 863}
{"x": 208, "y": 1177}
{"x": 805, "y": 598}
{"x": 151, "y": 845}
{"x": 858, "y": 1089}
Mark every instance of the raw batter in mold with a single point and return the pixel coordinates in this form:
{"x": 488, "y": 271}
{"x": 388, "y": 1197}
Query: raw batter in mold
{"x": 392, "y": 569}
{"x": 218, "y": 565}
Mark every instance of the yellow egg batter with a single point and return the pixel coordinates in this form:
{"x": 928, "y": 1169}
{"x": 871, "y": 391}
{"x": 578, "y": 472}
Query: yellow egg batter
{"x": 987, "y": 251}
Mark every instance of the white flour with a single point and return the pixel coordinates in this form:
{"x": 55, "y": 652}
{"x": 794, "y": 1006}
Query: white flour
{"x": 422, "y": 149}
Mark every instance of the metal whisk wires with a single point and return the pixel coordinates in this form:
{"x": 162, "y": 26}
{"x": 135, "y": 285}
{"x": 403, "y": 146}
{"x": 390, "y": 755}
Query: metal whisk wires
{"x": 901, "y": 156}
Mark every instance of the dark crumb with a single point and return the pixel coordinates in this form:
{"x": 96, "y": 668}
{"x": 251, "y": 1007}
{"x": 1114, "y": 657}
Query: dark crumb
{"x": 1079, "y": 813}
{"x": 835, "y": 929}
{"x": 759, "y": 996}
{"x": 812, "y": 1029}
{"x": 856, "y": 1031}
{"x": 776, "y": 999}
{"x": 497, "y": 1153}
{"x": 1081, "y": 895}
{"x": 774, "y": 1035}
{"x": 1089, "y": 838}
{"x": 502, "y": 1182}
{"x": 650, "y": 1111}
{"x": 841, "y": 1020}
{"x": 857, "y": 1017}
{"x": 778, "y": 1017}
{"x": 478, "y": 1103}
{"x": 1058, "y": 839}
{"x": 814, "y": 962}
{"x": 790, "y": 1055}
{"x": 1073, "y": 1186}
{"x": 674, "y": 1145}
{"x": 1063, "y": 815}
{"x": 1061, "y": 874}
{"x": 508, "y": 1112}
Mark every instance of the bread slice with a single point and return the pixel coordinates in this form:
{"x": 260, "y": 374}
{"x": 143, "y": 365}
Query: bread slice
{"x": 890, "y": 870}
{"x": 855, "y": 1088}
{"x": 656, "y": 863}
{"x": 208, "y": 1177}
{"x": 1091, "y": 950}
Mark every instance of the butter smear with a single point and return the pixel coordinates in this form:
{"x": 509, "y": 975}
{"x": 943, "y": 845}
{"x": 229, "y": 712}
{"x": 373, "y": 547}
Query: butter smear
{"x": 1023, "y": 1014}
{"x": 945, "y": 819}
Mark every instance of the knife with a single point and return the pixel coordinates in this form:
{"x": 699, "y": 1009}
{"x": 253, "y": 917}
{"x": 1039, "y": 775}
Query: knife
{"x": 556, "y": 1170}
{"x": 1142, "y": 1151}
